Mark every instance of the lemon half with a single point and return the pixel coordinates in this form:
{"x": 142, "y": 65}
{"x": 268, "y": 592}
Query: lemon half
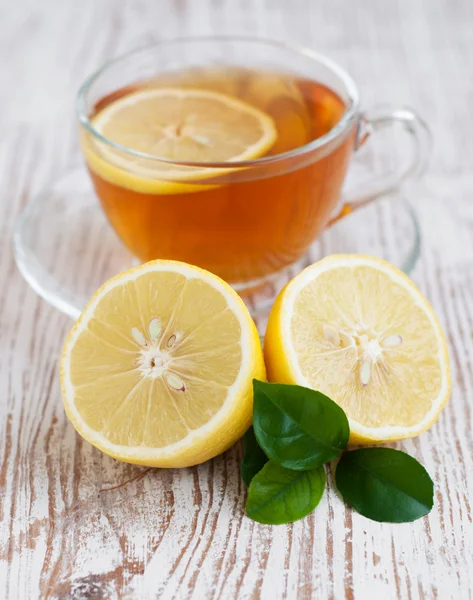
{"x": 357, "y": 329}
{"x": 158, "y": 369}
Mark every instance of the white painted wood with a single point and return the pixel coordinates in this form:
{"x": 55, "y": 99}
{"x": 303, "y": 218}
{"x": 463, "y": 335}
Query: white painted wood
{"x": 70, "y": 524}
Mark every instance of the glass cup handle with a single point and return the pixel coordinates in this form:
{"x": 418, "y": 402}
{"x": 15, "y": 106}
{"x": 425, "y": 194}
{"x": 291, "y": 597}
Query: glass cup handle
{"x": 368, "y": 125}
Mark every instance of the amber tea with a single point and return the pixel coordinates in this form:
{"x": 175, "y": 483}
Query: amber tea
{"x": 202, "y": 166}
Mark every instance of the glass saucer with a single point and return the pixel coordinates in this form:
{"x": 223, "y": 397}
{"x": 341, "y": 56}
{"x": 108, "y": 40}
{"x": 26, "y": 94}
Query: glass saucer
{"x": 65, "y": 248}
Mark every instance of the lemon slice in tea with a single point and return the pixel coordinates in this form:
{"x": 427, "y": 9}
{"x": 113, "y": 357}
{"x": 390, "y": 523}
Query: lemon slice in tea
{"x": 175, "y": 124}
{"x": 357, "y": 329}
{"x": 158, "y": 369}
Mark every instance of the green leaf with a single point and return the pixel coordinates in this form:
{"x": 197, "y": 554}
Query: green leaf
{"x": 298, "y": 428}
{"x": 385, "y": 484}
{"x": 254, "y": 458}
{"x": 278, "y": 495}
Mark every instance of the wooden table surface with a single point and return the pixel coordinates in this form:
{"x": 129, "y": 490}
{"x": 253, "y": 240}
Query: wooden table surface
{"x": 75, "y": 523}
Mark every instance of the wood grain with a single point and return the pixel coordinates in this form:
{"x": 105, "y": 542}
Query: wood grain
{"x": 75, "y": 524}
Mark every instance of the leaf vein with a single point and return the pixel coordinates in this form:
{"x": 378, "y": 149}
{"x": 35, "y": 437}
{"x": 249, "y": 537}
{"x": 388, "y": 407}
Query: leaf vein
{"x": 281, "y": 492}
{"x": 388, "y": 483}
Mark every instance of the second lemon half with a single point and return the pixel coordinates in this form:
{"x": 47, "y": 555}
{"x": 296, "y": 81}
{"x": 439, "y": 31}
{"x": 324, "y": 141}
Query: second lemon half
{"x": 357, "y": 329}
